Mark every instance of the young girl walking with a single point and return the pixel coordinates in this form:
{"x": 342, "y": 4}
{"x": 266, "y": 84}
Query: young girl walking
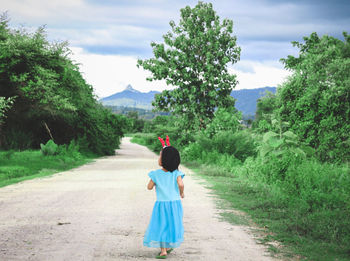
{"x": 165, "y": 229}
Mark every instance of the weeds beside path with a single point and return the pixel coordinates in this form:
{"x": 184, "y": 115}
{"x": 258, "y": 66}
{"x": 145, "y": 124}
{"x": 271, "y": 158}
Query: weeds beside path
{"x": 16, "y": 166}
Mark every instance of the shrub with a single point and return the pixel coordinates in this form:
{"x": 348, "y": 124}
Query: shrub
{"x": 9, "y": 172}
{"x": 192, "y": 152}
{"x": 8, "y": 154}
{"x": 315, "y": 195}
{"x": 69, "y": 152}
{"x": 240, "y": 144}
{"x": 225, "y": 119}
{"x": 49, "y": 149}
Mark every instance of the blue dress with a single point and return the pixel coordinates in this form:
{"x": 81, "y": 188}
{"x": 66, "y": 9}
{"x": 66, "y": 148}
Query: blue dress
{"x": 165, "y": 228}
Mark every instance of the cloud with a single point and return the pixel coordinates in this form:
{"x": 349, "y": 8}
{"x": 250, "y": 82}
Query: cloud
{"x": 244, "y": 67}
{"x": 266, "y": 50}
{"x": 262, "y": 74}
{"x": 109, "y": 74}
{"x": 108, "y": 36}
{"x": 127, "y": 27}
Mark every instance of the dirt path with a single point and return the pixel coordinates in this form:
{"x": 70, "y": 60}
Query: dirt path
{"x": 100, "y": 212}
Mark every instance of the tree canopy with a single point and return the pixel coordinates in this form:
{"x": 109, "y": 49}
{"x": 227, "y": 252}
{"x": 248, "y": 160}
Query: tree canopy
{"x": 315, "y": 99}
{"x": 194, "y": 59}
{"x": 49, "y": 96}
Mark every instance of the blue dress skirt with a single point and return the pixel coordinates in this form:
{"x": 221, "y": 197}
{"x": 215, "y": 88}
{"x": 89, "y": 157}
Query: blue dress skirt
{"x": 165, "y": 228}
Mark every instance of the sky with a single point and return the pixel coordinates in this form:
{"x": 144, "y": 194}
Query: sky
{"x": 108, "y": 36}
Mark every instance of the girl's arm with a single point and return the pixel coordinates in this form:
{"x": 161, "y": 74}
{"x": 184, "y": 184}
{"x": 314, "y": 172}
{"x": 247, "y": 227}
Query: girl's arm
{"x": 181, "y": 186}
{"x": 150, "y": 185}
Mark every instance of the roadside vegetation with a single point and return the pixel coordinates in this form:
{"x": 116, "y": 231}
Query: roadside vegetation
{"x": 44, "y": 99}
{"x": 290, "y": 171}
{"x": 16, "y": 166}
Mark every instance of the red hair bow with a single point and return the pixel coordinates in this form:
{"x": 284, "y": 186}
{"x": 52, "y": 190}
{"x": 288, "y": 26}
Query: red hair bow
{"x": 163, "y": 143}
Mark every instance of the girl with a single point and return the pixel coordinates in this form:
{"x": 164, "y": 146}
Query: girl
{"x": 165, "y": 229}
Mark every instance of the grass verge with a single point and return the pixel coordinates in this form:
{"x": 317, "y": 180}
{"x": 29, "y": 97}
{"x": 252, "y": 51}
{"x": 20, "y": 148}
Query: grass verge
{"x": 271, "y": 219}
{"x": 18, "y": 166}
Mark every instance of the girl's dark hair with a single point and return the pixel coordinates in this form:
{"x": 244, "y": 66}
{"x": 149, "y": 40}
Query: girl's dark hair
{"x": 170, "y": 158}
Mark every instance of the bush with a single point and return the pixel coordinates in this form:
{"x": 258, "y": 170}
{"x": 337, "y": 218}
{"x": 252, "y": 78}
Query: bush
{"x": 8, "y": 154}
{"x": 10, "y": 172}
{"x": 52, "y": 97}
{"x": 225, "y": 119}
{"x": 49, "y": 149}
{"x": 240, "y": 144}
{"x": 316, "y": 195}
{"x": 192, "y": 152}
{"x": 70, "y": 152}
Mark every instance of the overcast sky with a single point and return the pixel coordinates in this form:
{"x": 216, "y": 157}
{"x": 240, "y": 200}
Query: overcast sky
{"x": 108, "y": 36}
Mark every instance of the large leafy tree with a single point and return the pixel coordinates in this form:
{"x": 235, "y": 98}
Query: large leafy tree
{"x": 194, "y": 59}
{"x": 315, "y": 99}
{"x": 49, "y": 97}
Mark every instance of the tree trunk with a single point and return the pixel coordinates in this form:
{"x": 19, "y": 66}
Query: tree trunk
{"x": 48, "y": 130}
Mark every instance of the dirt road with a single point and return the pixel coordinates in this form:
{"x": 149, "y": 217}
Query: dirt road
{"x": 100, "y": 211}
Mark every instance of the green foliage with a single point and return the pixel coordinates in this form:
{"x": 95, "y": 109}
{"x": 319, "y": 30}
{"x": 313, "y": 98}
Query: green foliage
{"x": 240, "y": 145}
{"x": 71, "y": 151}
{"x": 315, "y": 99}
{"x": 225, "y": 119}
{"x": 16, "y": 166}
{"x": 194, "y": 58}
{"x": 18, "y": 139}
{"x": 5, "y": 104}
{"x": 8, "y": 154}
{"x": 279, "y": 144}
{"x": 142, "y": 113}
{"x": 314, "y": 196}
{"x": 134, "y": 123}
{"x": 266, "y": 106}
{"x": 274, "y": 172}
{"x": 52, "y": 97}
{"x": 49, "y": 149}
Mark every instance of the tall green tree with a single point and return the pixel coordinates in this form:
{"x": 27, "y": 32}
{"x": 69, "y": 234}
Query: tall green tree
{"x": 315, "y": 99}
{"x": 194, "y": 59}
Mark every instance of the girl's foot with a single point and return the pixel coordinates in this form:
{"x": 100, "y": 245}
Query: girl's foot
{"x": 162, "y": 255}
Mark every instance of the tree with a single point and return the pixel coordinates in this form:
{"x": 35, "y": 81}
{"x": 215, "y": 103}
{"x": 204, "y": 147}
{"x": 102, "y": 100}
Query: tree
{"x": 224, "y": 119}
{"x": 315, "y": 99}
{"x": 194, "y": 58}
{"x": 265, "y": 107}
{"x": 49, "y": 97}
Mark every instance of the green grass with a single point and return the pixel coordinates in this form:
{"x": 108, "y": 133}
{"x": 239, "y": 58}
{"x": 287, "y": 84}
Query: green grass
{"x": 307, "y": 224}
{"x": 29, "y": 164}
{"x": 271, "y": 218}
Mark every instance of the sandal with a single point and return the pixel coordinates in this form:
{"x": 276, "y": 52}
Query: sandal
{"x": 160, "y": 257}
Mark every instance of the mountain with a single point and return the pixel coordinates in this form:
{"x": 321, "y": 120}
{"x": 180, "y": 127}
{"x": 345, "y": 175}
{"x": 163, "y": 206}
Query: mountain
{"x": 246, "y": 98}
{"x": 129, "y": 97}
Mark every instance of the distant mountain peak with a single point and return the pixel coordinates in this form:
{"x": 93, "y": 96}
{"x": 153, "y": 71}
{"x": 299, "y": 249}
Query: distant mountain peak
{"x": 130, "y": 89}
{"x": 246, "y": 98}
